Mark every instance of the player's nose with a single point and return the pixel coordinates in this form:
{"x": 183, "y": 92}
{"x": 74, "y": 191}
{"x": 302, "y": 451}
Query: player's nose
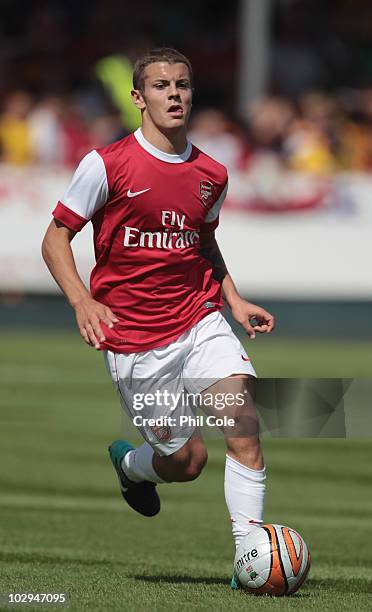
{"x": 173, "y": 91}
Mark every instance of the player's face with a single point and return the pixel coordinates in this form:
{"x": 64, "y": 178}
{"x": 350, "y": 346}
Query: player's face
{"x": 166, "y": 100}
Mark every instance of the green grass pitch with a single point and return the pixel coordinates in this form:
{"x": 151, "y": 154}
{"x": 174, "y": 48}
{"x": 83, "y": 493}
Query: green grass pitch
{"x": 65, "y": 529}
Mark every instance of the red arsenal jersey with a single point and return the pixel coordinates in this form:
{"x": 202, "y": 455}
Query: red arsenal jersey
{"x": 147, "y": 208}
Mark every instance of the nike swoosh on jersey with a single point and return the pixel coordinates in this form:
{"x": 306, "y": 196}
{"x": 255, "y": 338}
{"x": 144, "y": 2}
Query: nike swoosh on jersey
{"x": 132, "y": 194}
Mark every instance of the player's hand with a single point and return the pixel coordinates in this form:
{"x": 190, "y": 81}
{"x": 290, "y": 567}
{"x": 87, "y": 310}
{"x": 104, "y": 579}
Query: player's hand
{"x": 89, "y": 313}
{"x": 243, "y": 312}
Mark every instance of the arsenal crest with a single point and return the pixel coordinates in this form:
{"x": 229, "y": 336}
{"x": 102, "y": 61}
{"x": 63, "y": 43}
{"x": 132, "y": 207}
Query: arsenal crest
{"x": 162, "y": 432}
{"x": 206, "y": 191}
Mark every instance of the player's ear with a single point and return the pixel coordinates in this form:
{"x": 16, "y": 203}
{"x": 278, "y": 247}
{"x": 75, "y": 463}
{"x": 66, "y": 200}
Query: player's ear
{"x": 138, "y": 99}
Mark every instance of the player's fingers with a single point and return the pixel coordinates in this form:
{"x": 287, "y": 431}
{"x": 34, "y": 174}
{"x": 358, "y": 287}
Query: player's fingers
{"x": 94, "y": 322}
{"x": 110, "y": 315}
{"x": 107, "y": 321}
{"x": 91, "y": 335}
{"x": 265, "y": 318}
{"x": 108, "y": 318}
{"x": 82, "y": 330}
{"x": 261, "y": 329}
{"x": 98, "y": 331}
{"x": 84, "y": 335}
{"x": 249, "y": 329}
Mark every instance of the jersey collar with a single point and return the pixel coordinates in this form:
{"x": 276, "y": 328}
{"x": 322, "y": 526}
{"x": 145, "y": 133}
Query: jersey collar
{"x": 171, "y": 158}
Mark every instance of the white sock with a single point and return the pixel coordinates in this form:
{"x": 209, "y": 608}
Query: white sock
{"x": 137, "y": 464}
{"x": 244, "y": 494}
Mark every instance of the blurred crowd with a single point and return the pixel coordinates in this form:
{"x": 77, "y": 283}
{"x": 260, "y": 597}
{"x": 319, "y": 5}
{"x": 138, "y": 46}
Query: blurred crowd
{"x": 65, "y": 72}
{"x": 317, "y": 132}
{"x": 53, "y": 130}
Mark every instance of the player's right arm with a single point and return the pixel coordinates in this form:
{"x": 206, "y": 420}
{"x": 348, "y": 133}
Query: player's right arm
{"x": 58, "y": 256}
{"x": 86, "y": 194}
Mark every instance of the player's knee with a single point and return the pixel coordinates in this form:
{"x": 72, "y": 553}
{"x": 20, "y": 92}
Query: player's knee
{"x": 191, "y": 461}
{"x": 195, "y": 465}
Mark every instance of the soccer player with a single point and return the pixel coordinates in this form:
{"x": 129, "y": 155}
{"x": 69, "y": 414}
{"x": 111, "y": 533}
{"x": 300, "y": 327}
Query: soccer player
{"x": 155, "y": 296}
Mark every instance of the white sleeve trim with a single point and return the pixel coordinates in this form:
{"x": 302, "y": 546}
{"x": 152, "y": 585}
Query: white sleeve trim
{"x": 88, "y": 190}
{"x": 215, "y": 210}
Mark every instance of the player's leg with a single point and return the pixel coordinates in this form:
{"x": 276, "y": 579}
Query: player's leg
{"x": 170, "y": 452}
{"x": 142, "y": 467}
{"x": 186, "y": 463}
{"x": 178, "y": 463}
{"x": 139, "y": 469}
{"x": 134, "y": 466}
{"x": 243, "y": 441}
{"x": 220, "y": 365}
{"x": 244, "y": 467}
{"x": 245, "y": 472}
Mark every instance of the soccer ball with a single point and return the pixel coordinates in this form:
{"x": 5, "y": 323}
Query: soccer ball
{"x": 272, "y": 560}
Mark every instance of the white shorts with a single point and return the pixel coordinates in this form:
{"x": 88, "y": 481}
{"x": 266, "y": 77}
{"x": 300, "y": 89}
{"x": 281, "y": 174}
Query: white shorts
{"x": 152, "y": 384}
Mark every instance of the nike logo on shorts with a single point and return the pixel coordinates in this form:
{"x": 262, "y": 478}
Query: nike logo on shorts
{"x": 245, "y": 358}
{"x": 132, "y": 194}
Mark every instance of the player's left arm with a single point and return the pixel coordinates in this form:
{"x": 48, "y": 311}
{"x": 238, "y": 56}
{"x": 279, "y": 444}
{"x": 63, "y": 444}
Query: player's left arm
{"x": 243, "y": 312}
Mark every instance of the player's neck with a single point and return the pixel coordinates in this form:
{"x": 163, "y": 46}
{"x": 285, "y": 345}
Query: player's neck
{"x": 171, "y": 141}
